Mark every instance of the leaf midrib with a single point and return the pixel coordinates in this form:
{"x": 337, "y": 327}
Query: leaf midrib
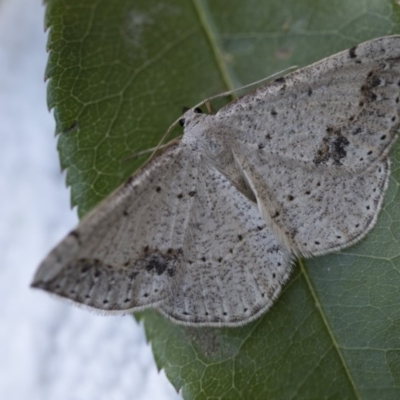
{"x": 210, "y": 31}
{"x": 318, "y": 307}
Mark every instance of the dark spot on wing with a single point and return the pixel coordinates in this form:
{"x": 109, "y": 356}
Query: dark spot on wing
{"x": 371, "y": 82}
{"x": 76, "y": 235}
{"x": 159, "y": 263}
{"x": 273, "y": 249}
{"x": 275, "y": 215}
{"x": 375, "y": 81}
{"x": 333, "y": 147}
{"x": 129, "y": 181}
{"x": 322, "y": 155}
{"x": 352, "y": 52}
{"x": 339, "y": 149}
{"x": 85, "y": 268}
{"x": 282, "y": 83}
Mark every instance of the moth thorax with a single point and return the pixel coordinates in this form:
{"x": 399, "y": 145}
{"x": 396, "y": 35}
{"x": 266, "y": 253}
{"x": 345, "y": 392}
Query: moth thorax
{"x": 206, "y": 136}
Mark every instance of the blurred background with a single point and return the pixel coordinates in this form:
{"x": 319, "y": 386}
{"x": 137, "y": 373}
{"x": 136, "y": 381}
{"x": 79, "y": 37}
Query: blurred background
{"x": 48, "y": 349}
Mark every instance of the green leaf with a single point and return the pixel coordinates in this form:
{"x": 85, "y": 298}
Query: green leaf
{"x": 120, "y": 73}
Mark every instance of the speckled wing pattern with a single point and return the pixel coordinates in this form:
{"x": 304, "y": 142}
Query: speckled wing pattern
{"x": 207, "y": 232}
{"x": 178, "y": 235}
{"x": 234, "y": 265}
{"x": 126, "y": 253}
{"x": 315, "y": 145}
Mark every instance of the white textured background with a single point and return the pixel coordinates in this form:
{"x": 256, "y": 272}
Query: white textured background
{"x": 49, "y": 350}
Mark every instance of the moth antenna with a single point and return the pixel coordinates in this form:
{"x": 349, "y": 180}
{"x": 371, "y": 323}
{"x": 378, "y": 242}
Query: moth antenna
{"x": 229, "y": 92}
{"x": 152, "y": 149}
{"x": 208, "y": 100}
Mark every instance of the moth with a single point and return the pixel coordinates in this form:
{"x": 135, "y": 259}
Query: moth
{"x": 208, "y": 231}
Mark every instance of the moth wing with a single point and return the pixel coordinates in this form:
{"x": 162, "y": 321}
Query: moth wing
{"x": 234, "y": 265}
{"x": 314, "y": 145}
{"x": 178, "y": 236}
{"x": 341, "y": 112}
{"x": 127, "y": 253}
{"x": 314, "y": 212}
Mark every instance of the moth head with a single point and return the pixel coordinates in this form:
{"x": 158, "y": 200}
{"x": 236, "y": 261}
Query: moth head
{"x": 190, "y": 117}
{"x": 203, "y": 132}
